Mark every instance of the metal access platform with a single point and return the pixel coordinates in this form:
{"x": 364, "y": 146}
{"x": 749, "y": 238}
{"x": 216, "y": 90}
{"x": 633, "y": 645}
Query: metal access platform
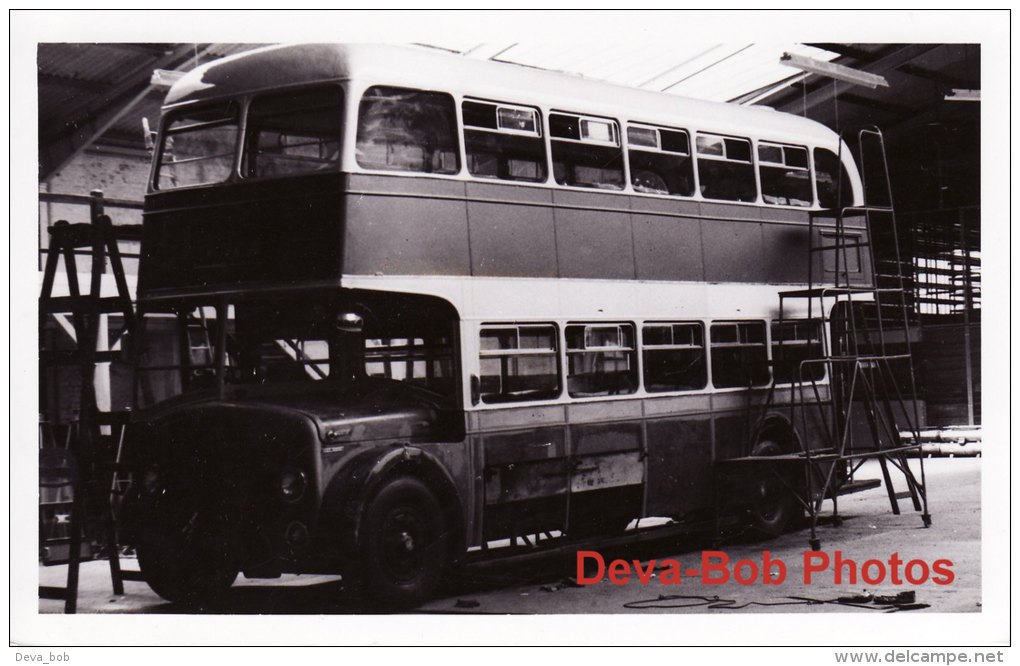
{"x": 859, "y": 391}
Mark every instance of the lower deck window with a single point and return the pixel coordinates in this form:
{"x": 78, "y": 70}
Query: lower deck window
{"x": 518, "y": 363}
{"x": 739, "y": 355}
{"x": 794, "y": 342}
{"x": 674, "y": 357}
{"x": 601, "y": 360}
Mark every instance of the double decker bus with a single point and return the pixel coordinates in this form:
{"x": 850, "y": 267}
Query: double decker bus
{"x": 398, "y": 305}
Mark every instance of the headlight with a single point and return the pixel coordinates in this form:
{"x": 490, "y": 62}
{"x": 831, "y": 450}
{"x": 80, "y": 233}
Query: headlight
{"x": 292, "y": 484}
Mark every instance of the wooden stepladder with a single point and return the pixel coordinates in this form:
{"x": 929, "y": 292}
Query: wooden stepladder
{"x": 76, "y": 479}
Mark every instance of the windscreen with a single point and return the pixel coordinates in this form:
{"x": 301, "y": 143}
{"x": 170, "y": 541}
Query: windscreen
{"x": 293, "y": 133}
{"x": 198, "y": 146}
{"x": 288, "y": 342}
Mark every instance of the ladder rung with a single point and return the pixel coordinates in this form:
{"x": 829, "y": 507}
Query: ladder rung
{"x": 81, "y": 234}
{"x": 50, "y": 592}
{"x": 844, "y": 246}
{"x": 834, "y": 291}
{"x": 71, "y": 235}
{"x": 58, "y": 304}
{"x": 76, "y": 357}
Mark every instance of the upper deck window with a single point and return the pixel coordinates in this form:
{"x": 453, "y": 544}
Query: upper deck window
{"x": 784, "y": 173}
{"x": 586, "y": 151}
{"x": 503, "y": 141}
{"x": 198, "y": 147}
{"x": 400, "y": 129}
{"x": 660, "y": 161}
{"x": 830, "y": 193}
{"x": 725, "y": 171}
{"x": 295, "y": 132}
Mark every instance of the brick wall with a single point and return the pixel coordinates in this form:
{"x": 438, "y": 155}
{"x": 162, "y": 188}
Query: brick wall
{"x": 120, "y": 176}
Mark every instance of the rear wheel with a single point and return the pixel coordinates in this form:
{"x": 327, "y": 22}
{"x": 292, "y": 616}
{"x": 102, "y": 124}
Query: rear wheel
{"x": 405, "y": 545}
{"x": 773, "y": 505}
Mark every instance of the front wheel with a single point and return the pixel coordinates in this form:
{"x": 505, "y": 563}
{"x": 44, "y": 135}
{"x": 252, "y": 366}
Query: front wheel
{"x": 405, "y": 545}
{"x": 184, "y": 556}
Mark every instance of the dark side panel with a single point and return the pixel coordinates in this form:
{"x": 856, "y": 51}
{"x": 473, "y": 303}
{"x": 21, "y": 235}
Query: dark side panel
{"x": 281, "y": 231}
{"x": 679, "y": 466}
{"x": 428, "y": 226}
{"x": 315, "y": 228}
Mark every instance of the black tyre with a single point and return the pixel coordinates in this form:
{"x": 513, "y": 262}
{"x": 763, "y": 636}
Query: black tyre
{"x": 184, "y": 558}
{"x": 405, "y": 545}
{"x": 773, "y": 506}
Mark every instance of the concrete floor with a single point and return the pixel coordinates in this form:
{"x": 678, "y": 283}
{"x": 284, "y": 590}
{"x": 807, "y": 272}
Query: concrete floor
{"x": 869, "y": 531}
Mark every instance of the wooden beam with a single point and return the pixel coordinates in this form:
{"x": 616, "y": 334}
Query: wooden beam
{"x": 946, "y": 80}
{"x": 849, "y": 51}
{"x": 83, "y": 85}
{"x": 900, "y": 56}
{"x": 876, "y": 104}
{"x": 78, "y": 130}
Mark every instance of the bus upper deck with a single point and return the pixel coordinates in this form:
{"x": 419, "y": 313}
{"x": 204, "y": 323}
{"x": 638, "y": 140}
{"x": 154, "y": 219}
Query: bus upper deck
{"x": 301, "y": 164}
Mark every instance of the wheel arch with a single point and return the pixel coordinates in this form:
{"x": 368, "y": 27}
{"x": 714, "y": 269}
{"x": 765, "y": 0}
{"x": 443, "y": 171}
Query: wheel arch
{"x": 349, "y": 493}
{"x": 778, "y": 428}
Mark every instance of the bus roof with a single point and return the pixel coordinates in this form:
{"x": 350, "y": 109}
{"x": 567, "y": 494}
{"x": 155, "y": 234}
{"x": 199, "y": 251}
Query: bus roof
{"x": 378, "y": 64}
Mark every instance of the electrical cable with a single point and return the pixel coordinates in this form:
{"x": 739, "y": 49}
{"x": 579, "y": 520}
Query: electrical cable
{"x": 718, "y": 603}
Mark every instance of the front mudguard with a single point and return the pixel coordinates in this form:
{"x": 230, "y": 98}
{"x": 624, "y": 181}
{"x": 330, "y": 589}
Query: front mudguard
{"x": 347, "y": 495}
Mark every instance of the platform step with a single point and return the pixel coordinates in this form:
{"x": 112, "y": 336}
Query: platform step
{"x": 834, "y": 291}
{"x": 859, "y": 486}
{"x": 136, "y": 576}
